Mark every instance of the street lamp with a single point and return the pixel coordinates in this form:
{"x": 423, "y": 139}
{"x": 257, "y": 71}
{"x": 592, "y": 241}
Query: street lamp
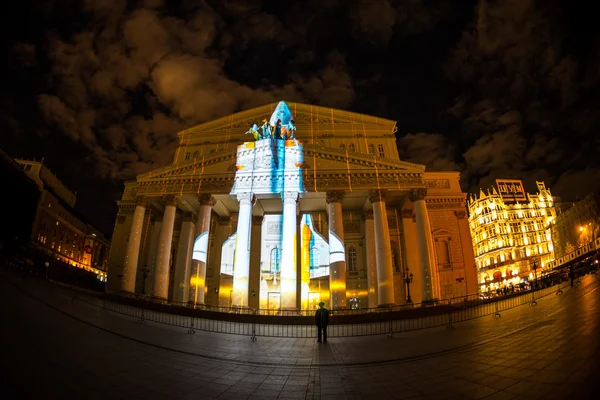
{"x": 533, "y": 302}
{"x": 408, "y": 278}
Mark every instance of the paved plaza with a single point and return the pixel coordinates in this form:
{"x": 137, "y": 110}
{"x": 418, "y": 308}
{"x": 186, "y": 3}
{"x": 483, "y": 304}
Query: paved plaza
{"x": 57, "y": 348}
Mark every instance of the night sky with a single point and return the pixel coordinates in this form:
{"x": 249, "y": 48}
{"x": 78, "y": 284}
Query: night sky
{"x": 498, "y": 89}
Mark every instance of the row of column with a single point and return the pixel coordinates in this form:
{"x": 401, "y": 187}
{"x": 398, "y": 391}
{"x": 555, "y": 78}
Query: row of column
{"x": 288, "y": 267}
{"x": 380, "y": 279}
{"x": 190, "y": 257}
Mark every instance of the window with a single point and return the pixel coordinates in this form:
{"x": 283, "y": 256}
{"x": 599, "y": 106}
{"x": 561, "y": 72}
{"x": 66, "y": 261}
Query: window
{"x": 395, "y": 258}
{"x": 352, "y": 267}
{"x": 443, "y": 252}
{"x": 212, "y": 151}
{"x": 275, "y": 259}
{"x": 371, "y": 149}
{"x": 343, "y": 146}
{"x": 187, "y": 155}
{"x": 381, "y": 150}
{"x": 196, "y": 155}
{"x": 351, "y": 147}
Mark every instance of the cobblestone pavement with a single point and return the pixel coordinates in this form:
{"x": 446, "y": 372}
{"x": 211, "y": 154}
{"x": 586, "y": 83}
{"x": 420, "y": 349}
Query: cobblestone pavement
{"x": 54, "y": 347}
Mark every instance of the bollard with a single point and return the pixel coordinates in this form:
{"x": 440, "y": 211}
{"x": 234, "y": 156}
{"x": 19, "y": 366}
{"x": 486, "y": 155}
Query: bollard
{"x": 191, "y": 331}
{"x": 559, "y": 291}
{"x": 103, "y": 308}
{"x": 142, "y": 319}
{"x": 391, "y": 330}
{"x": 450, "y": 326}
{"x": 497, "y": 313}
{"x": 533, "y": 301}
{"x": 253, "y": 337}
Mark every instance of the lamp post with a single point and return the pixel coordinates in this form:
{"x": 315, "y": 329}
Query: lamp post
{"x": 533, "y": 302}
{"x": 408, "y": 278}
{"x": 145, "y": 273}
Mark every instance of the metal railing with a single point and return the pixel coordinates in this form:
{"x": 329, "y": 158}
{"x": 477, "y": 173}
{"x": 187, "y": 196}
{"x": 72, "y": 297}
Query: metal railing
{"x": 380, "y": 321}
{"x": 300, "y": 324}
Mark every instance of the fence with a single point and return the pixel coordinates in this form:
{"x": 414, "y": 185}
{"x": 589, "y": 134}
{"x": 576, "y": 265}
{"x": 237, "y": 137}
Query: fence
{"x": 386, "y": 321}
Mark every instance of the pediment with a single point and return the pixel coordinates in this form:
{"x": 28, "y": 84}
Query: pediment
{"x": 316, "y": 159}
{"x": 305, "y": 115}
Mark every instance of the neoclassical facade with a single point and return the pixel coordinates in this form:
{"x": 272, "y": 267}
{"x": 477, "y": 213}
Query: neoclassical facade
{"x": 315, "y": 205}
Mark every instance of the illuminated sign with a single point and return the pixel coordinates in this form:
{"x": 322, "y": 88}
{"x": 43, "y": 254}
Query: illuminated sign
{"x": 511, "y": 190}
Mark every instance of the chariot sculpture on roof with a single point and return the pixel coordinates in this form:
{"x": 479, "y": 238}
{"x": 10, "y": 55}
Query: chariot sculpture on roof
{"x": 280, "y": 126}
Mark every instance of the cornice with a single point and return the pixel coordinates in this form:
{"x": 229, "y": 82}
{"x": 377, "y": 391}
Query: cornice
{"x": 445, "y": 202}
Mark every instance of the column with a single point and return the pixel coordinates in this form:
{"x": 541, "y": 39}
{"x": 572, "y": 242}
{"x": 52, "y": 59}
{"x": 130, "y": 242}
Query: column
{"x": 255, "y": 275}
{"x": 183, "y": 261}
{"x": 371, "y": 258}
{"x": 241, "y": 264}
{"x": 165, "y": 240}
{"x": 337, "y": 251}
{"x": 200, "y": 253}
{"x": 383, "y": 249}
{"x": 133, "y": 247}
{"x": 152, "y": 253}
{"x": 425, "y": 244}
{"x": 288, "y": 251}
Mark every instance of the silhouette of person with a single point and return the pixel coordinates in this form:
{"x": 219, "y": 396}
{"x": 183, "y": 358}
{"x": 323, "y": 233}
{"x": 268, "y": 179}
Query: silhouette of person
{"x": 322, "y": 320}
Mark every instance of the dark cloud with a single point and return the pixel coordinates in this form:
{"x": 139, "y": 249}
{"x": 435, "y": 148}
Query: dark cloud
{"x": 431, "y": 150}
{"x": 524, "y": 109}
{"x": 97, "y": 71}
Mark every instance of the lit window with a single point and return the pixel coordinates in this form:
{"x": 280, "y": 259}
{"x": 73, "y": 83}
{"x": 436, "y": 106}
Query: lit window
{"x": 275, "y": 259}
{"x": 371, "y": 149}
{"x": 351, "y": 147}
{"x": 187, "y": 155}
{"x": 352, "y": 259}
{"x": 381, "y": 150}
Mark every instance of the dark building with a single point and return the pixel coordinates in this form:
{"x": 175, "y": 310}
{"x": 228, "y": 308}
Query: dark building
{"x": 576, "y": 231}
{"x": 19, "y": 203}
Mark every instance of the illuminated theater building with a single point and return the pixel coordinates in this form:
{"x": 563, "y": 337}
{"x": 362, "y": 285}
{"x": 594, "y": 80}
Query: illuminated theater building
{"x": 511, "y": 230}
{"x": 310, "y": 204}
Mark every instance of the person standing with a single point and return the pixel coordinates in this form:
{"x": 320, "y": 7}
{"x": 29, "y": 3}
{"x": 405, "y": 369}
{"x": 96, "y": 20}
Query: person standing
{"x": 322, "y": 320}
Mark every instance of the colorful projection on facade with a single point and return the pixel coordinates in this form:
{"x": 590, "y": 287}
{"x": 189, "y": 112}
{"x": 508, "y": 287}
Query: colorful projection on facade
{"x": 316, "y": 247}
{"x": 270, "y": 167}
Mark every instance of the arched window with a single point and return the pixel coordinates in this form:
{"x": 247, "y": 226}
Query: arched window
{"x": 275, "y": 259}
{"x": 196, "y": 154}
{"x": 314, "y": 258}
{"x": 381, "y": 150}
{"x": 187, "y": 155}
{"x": 352, "y": 267}
{"x": 371, "y": 149}
{"x": 351, "y": 147}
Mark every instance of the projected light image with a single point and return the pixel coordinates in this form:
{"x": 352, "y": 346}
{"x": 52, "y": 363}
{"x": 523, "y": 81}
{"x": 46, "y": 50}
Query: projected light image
{"x": 270, "y": 167}
{"x": 316, "y": 247}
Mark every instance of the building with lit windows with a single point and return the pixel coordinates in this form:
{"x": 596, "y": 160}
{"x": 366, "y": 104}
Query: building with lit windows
{"x": 58, "y": 230}
{"x": 287, "y": 205}
{"x": 511, "y": 230}
{"x": 576, "y": 231}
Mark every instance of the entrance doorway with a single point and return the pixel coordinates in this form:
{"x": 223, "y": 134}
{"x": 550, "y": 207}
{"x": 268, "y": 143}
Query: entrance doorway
{"x": 273, "y": 302}
{"x": 314, "y": 298}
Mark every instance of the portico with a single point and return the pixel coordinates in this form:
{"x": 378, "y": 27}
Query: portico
{"x": 283, "y": 223}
